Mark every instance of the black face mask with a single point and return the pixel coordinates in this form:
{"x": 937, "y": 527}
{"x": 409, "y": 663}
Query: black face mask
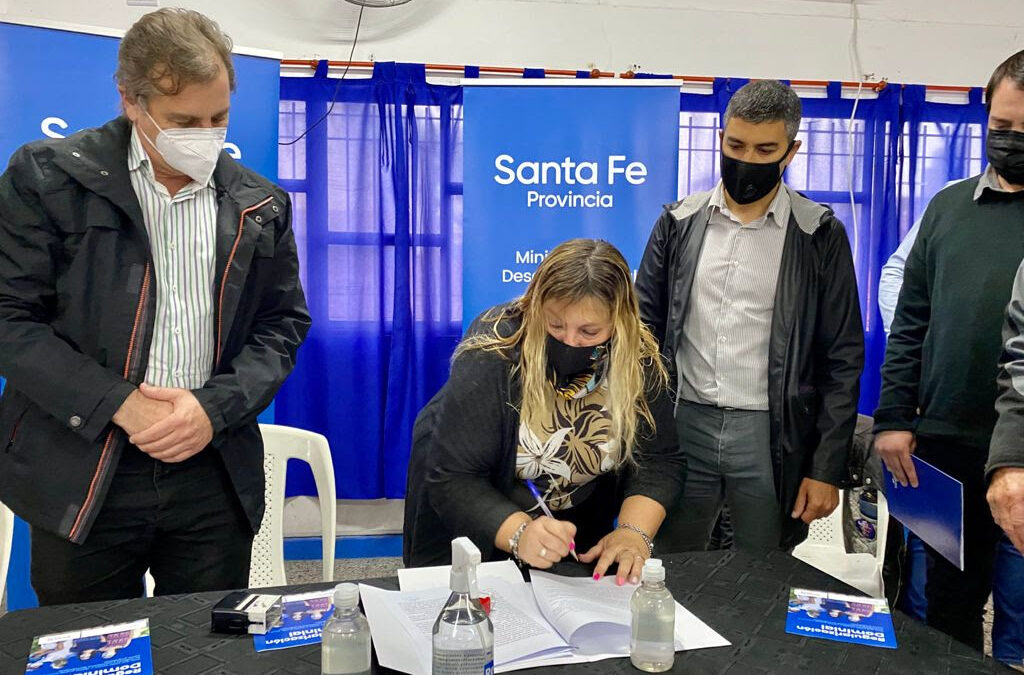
{"x": 1005, "y": 150}
{"x": 568, "y": 361}
{"x": 746, "y": 182}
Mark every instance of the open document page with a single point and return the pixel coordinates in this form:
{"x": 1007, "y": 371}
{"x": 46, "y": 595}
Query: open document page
{"x": 594, "y": 616}
{"x": 401, "y": 623}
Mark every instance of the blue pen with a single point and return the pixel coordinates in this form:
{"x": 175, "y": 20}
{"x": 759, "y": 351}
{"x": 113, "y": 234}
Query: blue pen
{"x": 547, "y": 512}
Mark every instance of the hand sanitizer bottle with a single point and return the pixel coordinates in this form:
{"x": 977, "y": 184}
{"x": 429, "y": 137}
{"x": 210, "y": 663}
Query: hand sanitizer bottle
{"x": 652, "y": 642}
{"x": 345, "y": 646}
{"x": 463, "y": 636}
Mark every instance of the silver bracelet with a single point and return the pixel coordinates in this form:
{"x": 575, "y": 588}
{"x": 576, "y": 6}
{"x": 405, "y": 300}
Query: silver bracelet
{"x": 513, "y": 542}
{"x": 647, "y": 540}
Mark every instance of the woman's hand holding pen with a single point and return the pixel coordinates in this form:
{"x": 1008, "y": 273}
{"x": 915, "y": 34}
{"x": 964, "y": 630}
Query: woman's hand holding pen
{"x": 545, "y": 542}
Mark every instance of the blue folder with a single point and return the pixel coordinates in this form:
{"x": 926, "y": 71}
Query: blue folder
{"x": 934, "y": 510}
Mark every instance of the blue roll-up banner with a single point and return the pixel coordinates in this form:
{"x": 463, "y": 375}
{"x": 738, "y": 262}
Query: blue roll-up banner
{"x": 548, "y": 162}
{"x": 56, "y": 82}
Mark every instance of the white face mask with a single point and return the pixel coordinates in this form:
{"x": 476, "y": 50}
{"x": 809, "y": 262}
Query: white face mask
{"x": 192, "y": 151}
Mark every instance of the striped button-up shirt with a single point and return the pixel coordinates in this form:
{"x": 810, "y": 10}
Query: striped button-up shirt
{"x": 722, "y": 358}
{"x": 182, "y": 235}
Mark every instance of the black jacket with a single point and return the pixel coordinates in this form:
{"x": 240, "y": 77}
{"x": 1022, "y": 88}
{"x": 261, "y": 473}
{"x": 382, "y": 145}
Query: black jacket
{"x": 77, "y": 305}
{"x": 816, "y": 351}
{"x": 462, "y": 467}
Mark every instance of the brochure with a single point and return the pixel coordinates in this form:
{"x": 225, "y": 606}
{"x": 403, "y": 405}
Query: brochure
{"x": 121, "y": 649}
{"x": 302, "y": 621}
{"x": 842, "y": 618}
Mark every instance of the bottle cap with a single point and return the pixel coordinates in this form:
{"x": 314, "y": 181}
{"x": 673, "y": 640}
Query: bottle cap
{"x": 346, "y": 595}
{"x": 653, "y": 570}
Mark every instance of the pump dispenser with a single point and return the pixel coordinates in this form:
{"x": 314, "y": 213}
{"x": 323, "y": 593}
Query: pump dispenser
{"x": 463, "y": 636}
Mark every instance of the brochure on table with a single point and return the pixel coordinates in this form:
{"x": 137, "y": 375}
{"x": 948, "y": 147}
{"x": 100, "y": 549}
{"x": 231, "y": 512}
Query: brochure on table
{"x": 841, "y": 618}
{"x": 120, "y": 649}
{"x": 302, "y": 621}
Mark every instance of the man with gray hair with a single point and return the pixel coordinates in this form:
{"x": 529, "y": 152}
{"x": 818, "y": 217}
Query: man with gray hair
{"x": 150, "y": 308}
{"x": 750, "y": 290}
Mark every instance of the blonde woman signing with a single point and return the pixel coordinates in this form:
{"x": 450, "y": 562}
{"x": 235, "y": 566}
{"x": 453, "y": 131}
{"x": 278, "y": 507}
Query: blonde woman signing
{"x": 564, "y": 388}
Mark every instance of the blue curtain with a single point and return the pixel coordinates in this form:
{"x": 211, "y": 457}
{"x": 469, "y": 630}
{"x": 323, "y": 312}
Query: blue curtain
{"x": 376, "y": 190}
{"x": 865, "y": 155}
{"x": 942, "y": 142}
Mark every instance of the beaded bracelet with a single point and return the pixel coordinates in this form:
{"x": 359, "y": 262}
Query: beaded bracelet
{"x": 647, "y": 540}
{"x": 513, "y": 542}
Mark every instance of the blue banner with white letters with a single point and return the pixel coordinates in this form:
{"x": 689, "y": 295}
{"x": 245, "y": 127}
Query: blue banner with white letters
{"x": 57, "y": 82}
{"x": 547, "y": 163}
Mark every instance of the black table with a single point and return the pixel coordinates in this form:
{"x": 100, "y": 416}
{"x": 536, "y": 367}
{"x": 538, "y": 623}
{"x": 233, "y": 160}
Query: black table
{"x": 742, "y": 597}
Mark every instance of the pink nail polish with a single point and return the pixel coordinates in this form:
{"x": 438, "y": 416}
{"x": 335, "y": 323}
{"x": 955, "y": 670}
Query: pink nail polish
{"x": 619, "y": 582}
{"x": 572, "y": 546}
{"x": 597, "y": 577}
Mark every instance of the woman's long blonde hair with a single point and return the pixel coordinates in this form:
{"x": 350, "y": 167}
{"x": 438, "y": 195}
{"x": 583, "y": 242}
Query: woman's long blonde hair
{"x": 573, "y": 271}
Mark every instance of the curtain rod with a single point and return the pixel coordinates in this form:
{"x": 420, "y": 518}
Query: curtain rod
{"x": 494, "y": 70}
{"x": 596, "y": 74}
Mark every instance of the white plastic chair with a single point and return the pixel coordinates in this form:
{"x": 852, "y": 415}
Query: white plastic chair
{"x": 280, "y": 444}
{"x": 825, "y": 549}
{"x": 6, "y": 544}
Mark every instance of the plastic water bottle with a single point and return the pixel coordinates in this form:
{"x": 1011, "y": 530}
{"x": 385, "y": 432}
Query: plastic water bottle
{"x": 652, "y": 641}
{"x": 345, "y": 647}
{"x": 463, "y": 636}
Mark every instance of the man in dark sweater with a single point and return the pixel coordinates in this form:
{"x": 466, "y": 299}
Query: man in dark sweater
{"x": 939, "y": 377}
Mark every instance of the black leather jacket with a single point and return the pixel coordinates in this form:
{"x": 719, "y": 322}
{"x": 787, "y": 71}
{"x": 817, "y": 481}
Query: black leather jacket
{"x": 77, "y": 305}
{"x": 816, "y": 352}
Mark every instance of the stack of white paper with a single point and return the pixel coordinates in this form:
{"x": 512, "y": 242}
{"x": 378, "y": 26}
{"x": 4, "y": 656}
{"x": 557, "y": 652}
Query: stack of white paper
{"x": 425, "y": 578}
{"x": 552, "y": 621}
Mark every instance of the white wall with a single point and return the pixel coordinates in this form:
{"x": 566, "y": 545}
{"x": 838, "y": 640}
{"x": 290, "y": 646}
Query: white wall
{"x": 913, "y": 41}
